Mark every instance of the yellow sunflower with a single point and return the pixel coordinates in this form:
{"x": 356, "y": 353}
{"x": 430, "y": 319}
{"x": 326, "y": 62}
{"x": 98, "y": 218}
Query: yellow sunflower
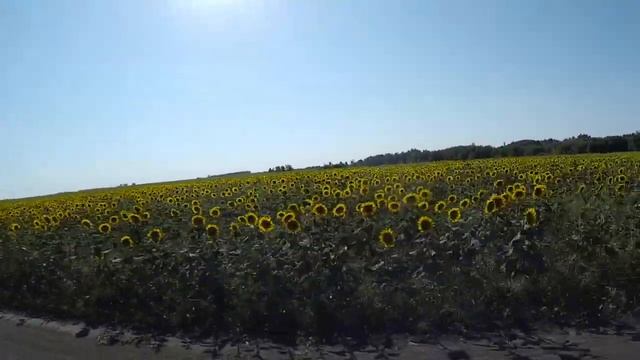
{"x": 104, "y": 228}
{"x": 86, "y": 223}
{"x": 126, "y": 241}
{"x": 265, "y": 224}
{"x": 213, "y": 231}
{"x": 531, "y": 217}
{"x": 319, "y": 210}
{"x": 454, "y": 215}
{"x": 394, "y": 207}
{"x": 368, "y": 209}
{"x": 197, "y": 221}
{"x": 155, "y": 235}
{"x": 293, "y": 226}
{"x": 425, "y": 223}
{"x": 340, "y": 210}
{"x": 387, "y": 238}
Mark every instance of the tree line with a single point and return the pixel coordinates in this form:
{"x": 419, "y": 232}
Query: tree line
{"x": 580, "y": 144}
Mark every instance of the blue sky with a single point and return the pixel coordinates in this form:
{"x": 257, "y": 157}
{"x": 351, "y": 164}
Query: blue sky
{"x": 98, "y": 93}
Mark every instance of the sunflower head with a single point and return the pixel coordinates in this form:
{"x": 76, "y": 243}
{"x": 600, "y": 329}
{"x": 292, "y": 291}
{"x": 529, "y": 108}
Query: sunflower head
{"x": 387, "y": 238}
{"x": 319, "y": 209}
{"x": 288, "y": 217}
{"x": 114, "y": 220}
{"x": 410, "y": 199}
{"x": 234, "y": 228}
{"x": 155, "y": 235}
{"x": 518, "y": 194}
{"x": 539, "y": 191}
{"x": 454, "y": 215}
{"x": 104, "y": 228}
{"x": 340, "y": 210}
{"x": 368, "y": 209}
{"x": 86, "y": 223}
{"x": 126, "y": 241}
{"x": 452, "y": 198}
{"x": 251, "y": 218}
{"x": 265, "y": 224}
{"x": 394, "y": 207}
{"x": 489, "y": 206}
{"x": 135, "y": 219}
{"x": 464, "y": 203}
{"x": 197, "y": 221}
{"x": 531, "y": 217}
{"x": 425, "y": 194}
{"x": 440, "y": 206}
{"x": 294, "y": 208}
{"x": 14, "y": 227}
{"x": 212, "y": 231}
{"x": 293, "y": 226}
{"x": 425, "y": 223}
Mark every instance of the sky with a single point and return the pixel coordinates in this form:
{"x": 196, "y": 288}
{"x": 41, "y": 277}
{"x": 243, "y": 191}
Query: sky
{"x": 100, "y": 93}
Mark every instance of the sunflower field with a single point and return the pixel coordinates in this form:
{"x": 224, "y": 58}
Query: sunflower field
{"x": 326, "y": 253}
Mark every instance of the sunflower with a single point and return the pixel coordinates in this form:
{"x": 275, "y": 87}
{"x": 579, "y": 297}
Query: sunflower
{"x": 440, "y": 206}
{"x": 340, "y": 210}
{"x": 464, "y": 203}
{"x": 197, "y": 221}
{"x": 86, "y": 223}
{"x": 319, "y": 210}
{"x": 265, "y": 224}
{"x": 294, "y": 208}
{"x": 531, "y": 217}
{"x": 423, "y": 205}
{"x": 135, "y": 219}
{"x": 293, "y": 226}
{"x": 387, "y": 238}
{"x": 368, "y": 209}
{"x": 104, "y": 228}
{"x": 452, "y": 198}
{"x": 498, "y": 201}
{"x": 146, "y": 215}
{"x": 425, "y": 223}
{"x": 539, "y": 191}
{"x": 14, "y": 227}
{"x": 490, "y": 206}
{"x": 251, "y": 218}
{"x": 518, "y": 194}
{"x": 454, "y": 215}
{"x": 114, "y": 220}
{"x": 213, "y": 231}
{"x": 581, "y": 188}
{"x": 234, "y": 228}
{"x": 410, "y": 199}
{"x": 288, "y": 217}
{"x": 196, "y": 209}
{"x": 394, "y": 207}
{"x": 124, "y": 215}
{"x": 126, "y": 241}
{"x": 498, "y": 183}
{"x": 425, "y": 194}
{"x": 155, "y": 235}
